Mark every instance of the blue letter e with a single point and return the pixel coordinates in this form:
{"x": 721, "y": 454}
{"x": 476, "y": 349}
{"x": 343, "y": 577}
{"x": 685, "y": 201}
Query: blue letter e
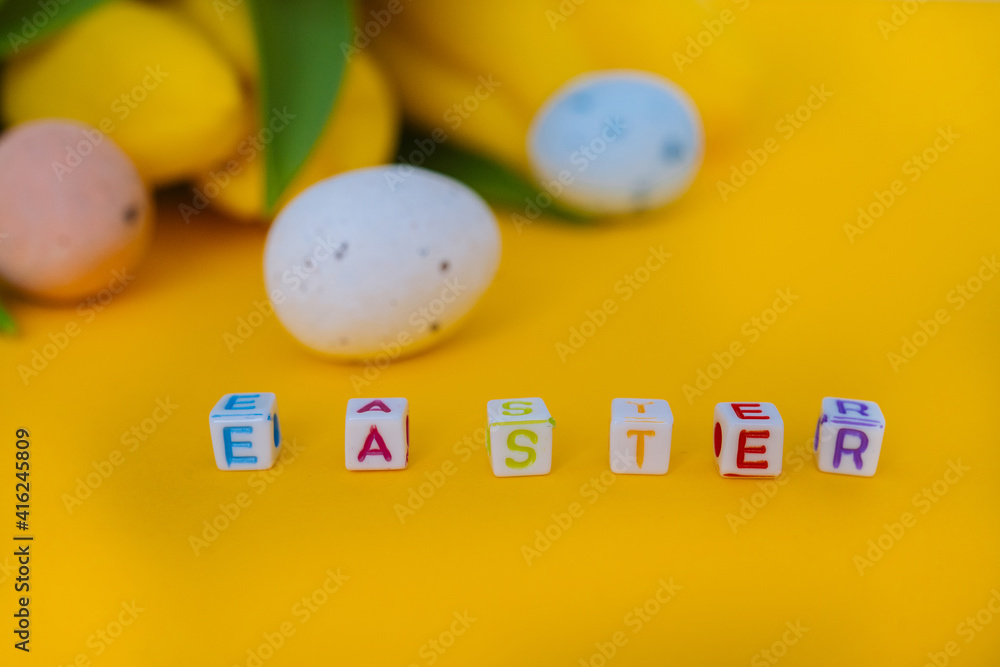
{"x": 227, "y": 438}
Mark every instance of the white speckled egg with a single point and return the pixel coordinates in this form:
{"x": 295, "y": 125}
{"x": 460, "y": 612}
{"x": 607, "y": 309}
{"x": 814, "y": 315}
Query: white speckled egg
{"x": 379, "y": 261}
{"x": 616, "y": 141}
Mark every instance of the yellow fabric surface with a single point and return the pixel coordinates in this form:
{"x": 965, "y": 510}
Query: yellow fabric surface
{"x": 738, "y": 587}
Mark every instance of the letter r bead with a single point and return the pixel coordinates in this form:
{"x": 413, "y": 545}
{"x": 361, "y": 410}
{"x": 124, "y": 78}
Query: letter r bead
{"x": 849, "y": 436}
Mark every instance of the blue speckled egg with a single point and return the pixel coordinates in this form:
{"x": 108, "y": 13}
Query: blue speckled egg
{"x": 616, "y": 141}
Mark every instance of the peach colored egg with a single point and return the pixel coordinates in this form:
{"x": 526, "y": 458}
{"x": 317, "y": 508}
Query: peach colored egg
{"x": 73, "y": 210}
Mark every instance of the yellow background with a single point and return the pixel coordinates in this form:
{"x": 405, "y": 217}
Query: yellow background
{"x": 162, "y": 338}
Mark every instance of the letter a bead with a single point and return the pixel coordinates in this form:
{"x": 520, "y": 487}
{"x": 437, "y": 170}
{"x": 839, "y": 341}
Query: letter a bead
{"x": 377, "y": 434}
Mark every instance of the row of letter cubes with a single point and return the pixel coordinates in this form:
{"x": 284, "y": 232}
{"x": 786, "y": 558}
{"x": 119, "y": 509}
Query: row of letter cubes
{"x": 748, "y": 437}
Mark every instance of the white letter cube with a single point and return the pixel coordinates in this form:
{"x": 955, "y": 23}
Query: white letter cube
{"x": 749, "y": 439}
{"x": 519, "y": 437}
{"x": 377, "y": 434}
{"x": 245, "y": 431}
{"x": 849, "y": 436}
{"x": 640, "y": 436}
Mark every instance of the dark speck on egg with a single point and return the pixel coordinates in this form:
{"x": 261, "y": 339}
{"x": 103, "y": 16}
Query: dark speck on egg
{"x": 672, "y": 151}
{"x": 131, "y": 214}
{"x": 444, "y": 266}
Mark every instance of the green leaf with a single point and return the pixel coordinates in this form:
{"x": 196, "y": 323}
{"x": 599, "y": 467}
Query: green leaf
{"x": 302, "y": 45}
{"x": 7, "y": 325}
{"x": 24, "y": 22}
{"x": 495, "y": 182}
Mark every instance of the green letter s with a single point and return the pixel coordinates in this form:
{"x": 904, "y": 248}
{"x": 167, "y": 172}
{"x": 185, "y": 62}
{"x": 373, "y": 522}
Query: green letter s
{"x": 514, "y": 447}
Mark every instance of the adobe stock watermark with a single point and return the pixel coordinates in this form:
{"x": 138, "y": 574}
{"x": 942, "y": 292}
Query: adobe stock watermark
{"x": 793, "y": 633}
{"x": 368, "y": 27}
{"x": 751, "y": 505}
{"x": 786, "y": 127}
{"x": 454, "y": 116}
{"x": 635, "y": 620}
{"x": 33, "y": 22}
{"x": 434, "y": 648}
{"x": 590, "y": 491}
{"x": 958, "y": 298}
{"x": 247, "y": 325}
{"x": 625, "y": 289}
{"x": 293, "y": 278}
{"x": 120, "y": 109}
{"x": 580, "y": 159}
{"x": 247, "y": 151}
{"x": 418, "y": 495}
{"x": 967, "y": 630}
{"x": 562, "y": 12}
{"x": 59, "y": 340}
{"x": 7, "y": 569}
{"x": 894, "y": 531}
{"x": 898, "y": 17}
{"x": 224, "y": 7}
{"x": 131, "y": 439}
{"x": 421, "y": 320}
{"x": 230, "y": 511}
{"x": 302, "y": 611}
{"x": 913, "y": 168}
{"x": 752, "y": 330}
{"x": 696, "y": 44}
{"x": 99, "y": 641}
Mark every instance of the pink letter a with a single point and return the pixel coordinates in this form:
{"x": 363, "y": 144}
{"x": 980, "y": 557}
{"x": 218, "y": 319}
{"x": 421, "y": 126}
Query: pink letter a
{"x": 375, "y": 405}
{"x": 368, "y": 450}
